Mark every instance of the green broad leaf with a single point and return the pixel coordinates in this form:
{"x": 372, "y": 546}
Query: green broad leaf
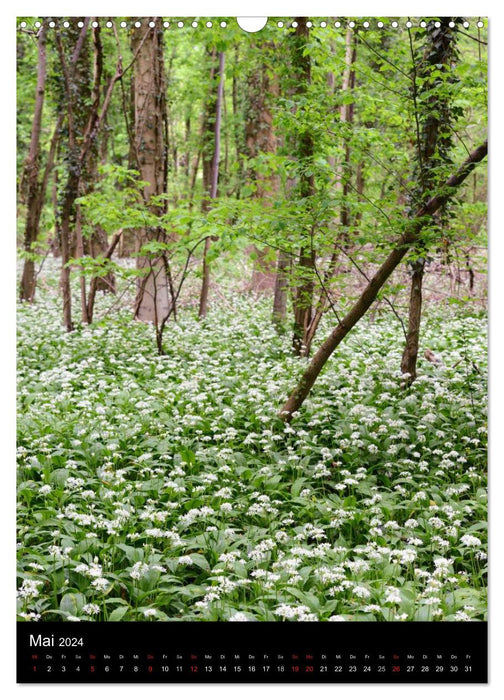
{"x": 297, "y": 486}
{"x": 200, "y": 561}
{"x": 118, "y": 613}
{"x": 72, "y": 603}
{"x": 59, "y": 476}
{"x": 133, "y": 554}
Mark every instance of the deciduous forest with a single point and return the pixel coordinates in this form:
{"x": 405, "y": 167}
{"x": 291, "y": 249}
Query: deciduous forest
{"x": 252, "y": 319}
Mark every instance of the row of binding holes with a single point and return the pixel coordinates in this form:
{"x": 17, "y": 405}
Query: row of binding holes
{"x": 124, "y": 25}
{"x": 280, "y": 24}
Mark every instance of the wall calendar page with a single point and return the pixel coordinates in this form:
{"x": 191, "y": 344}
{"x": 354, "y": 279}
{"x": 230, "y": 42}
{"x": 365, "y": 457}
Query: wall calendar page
{"x": 252, "y": 360}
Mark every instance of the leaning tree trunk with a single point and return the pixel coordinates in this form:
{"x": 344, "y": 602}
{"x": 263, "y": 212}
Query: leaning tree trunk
{"x": 35, "y": 193}
{"x": 368, "y": 296}
{"x": 433, "y": 119}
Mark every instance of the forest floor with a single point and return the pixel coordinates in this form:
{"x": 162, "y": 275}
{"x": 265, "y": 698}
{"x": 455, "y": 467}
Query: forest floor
{"x": 167, "y": 488}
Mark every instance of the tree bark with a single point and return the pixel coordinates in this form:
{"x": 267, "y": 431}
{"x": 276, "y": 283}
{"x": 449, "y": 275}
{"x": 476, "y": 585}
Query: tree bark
{"x": 75, "y": 121}
{"x": 153, "y": 299}
{"x": 35, "y": 192}
{"x": 410, "y": 354}
{"x": 408, "y": 238}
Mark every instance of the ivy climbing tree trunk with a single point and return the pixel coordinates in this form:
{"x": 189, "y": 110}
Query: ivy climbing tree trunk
{"x": 434, "y": 118}
{"x": 414, "y": 226}
{"x": 35, "y": 191}
{"x": 75, "y": 84}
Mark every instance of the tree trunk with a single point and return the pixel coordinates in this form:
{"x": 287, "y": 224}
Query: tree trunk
{"x": 409, "y": 358}
{"x": 214, "y": 178}
{"x": 281, "y": 287}
{"x": 75, "y": 98}
{"x": 153, "y": 299}
{"x": 432, "y": 114}
{"x": 97, "y": 244}
{"x": 94, "y": 281}
{"x": 35, "y": 193}
{"x": 260, "y": 138}
{"x": 305, "y": 267}
{"x": 409, "y": 238}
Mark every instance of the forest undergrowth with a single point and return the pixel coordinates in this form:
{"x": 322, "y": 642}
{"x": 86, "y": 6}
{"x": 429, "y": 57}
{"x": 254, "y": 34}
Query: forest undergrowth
{"x": 166, "y": 487}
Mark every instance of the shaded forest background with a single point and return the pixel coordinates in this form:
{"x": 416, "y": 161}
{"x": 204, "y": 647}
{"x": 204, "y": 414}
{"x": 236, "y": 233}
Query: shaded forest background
{"x": 308, "y": 150}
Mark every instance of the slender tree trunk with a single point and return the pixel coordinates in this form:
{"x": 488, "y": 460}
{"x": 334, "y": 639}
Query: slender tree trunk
{"x": 69, "y": 197}
{"x": 409, "y": 238}
{"x": 409, "y": 358}
{"x": 305, "y": 267}
{"x": 74, "y": 79}
{"x": 260, "y": 138}
{"x": 83, "y": 125}
{"x": 93, "y": 286}
{"x": 205, "y": 285}
{"x": 98, "y": 241}
{"x": 281, "y": 288}
{"x": 34, "y": 191}
{"x": 80, "y": 253}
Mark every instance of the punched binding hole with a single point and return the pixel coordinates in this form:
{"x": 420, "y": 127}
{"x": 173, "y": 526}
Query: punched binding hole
{"x": 252, "y": 24}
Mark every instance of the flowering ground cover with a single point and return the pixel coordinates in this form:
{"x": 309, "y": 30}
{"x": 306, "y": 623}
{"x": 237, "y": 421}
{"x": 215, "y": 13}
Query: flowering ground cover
{"x": 166, "y": 488}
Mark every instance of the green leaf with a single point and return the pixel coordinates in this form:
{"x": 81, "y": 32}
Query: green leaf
{"x": 118, "y": 613}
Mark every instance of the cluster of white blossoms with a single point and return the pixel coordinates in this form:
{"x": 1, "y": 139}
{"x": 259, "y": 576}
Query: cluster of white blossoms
{"x": 370, "y": 507}
{"x": 470, "y": 541}
{"x": 30, "y": 588}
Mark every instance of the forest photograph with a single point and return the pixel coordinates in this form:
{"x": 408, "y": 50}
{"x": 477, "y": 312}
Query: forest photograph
{"x": 252, "y": 319}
